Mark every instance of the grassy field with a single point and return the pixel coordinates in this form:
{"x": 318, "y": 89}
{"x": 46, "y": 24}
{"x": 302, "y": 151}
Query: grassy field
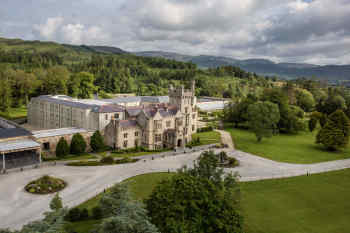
{"x": 207, "y": 137}
{"x": 306, "y": 204}
{"x": 15, "y": 113}
{"x": 300, "y": 148}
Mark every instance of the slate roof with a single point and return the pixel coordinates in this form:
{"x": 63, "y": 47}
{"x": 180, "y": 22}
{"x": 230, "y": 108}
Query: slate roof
{"x": 18, "y": 145}
{"x": 128, "y": 123}
{"x": 99, "y": 106}
{"x": 9, "y": 129}
{"x": 13, "y": 133}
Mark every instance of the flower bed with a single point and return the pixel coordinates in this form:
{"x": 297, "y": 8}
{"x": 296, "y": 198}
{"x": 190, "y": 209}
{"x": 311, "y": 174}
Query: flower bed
{"x": 45, "y": 185}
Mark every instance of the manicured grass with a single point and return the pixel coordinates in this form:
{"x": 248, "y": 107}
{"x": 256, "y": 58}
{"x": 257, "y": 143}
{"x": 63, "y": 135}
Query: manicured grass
{"x": 140, "y": 187}
{"x": 307, "y": 204}
{"x": 300, "y": 148}
{"x": 15, "y": 113}
{"x": 206, "y": 138}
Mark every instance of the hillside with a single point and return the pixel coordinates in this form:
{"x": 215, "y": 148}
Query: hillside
{"x": 262, "y": 66}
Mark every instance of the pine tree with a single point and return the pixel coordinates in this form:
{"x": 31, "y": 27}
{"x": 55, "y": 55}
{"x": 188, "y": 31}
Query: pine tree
{"x": 62, "y": 148}
{"x": 335, "y": 134}
{"x": 56, "y": 203}
{"x": 96, "y": 142}
{"x": 78, "y": 144}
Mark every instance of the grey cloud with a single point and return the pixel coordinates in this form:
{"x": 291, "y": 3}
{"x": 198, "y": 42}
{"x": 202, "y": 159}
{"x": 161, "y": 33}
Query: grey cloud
{"x": 283, "y": 30}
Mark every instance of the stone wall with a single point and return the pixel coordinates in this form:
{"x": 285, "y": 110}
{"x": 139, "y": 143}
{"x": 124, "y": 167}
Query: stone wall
{"x": 53, "y": 141}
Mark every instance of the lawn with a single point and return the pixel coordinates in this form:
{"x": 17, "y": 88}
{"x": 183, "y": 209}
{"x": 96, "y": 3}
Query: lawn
{"x": 206, "y": 138}
{"x": 300, "y": 148}
{"x": 307, "y": 204}
{"x": 15, "y": 113}
{"x": 140, "y": 187}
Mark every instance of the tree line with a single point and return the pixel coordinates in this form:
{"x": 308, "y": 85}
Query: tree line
{"x": 297, "y": 106}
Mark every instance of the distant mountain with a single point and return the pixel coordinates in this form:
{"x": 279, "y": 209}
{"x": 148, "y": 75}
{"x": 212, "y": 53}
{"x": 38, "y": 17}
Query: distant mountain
{"x": 70, "y": 53}
{"x": 261, "y": 66}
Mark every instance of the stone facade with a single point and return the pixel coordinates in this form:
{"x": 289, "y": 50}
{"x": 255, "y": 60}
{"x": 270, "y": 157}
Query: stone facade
{"x": 49, "y": 139}
{"x": 54, "y": 112}
{"x": 156, "y": 126}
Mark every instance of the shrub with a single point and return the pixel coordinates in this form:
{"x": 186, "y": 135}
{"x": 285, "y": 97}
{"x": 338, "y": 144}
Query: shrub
{"x": 84, "y": 214}
{"x": 97, "y": 212}
{"x": 62, "y": 148}
{"x": 97, "y": 143}
{"x": 78, "y": 144}
{"x": 73, "y": 215}
{"x": 205, "y": 129}
{"x": 107, "y": 160}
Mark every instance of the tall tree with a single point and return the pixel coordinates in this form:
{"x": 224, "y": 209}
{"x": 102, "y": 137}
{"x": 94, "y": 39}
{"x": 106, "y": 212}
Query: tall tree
{"x": 335, "y": 134}
{"x": 263, "y": 119}
{"x": 197, "y": 200}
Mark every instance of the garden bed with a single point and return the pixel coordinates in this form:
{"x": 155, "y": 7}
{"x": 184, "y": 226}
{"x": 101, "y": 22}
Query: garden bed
{"x": 103, "y": 162}
{"x": 45, "y": 185}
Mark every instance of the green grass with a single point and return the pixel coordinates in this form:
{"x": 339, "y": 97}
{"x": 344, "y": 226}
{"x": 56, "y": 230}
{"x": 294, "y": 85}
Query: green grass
{"x": 307, "y": 204}
{"x": 300, "y": 148}
{"x": 15, "y": 113}
{"x": 140, "y": 187}
{"x": 206, "y": 138}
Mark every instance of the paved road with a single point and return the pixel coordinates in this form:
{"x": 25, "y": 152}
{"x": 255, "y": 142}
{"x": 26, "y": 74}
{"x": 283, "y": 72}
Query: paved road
{"x": 226, "y": 138}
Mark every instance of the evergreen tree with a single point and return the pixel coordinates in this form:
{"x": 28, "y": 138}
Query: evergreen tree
{"x": 96, "y": 142}
{"x": 56, "y": 203}
{"x": 312, "y": 124}
{"x": 62, "y": 148}
{"x": 78, "y": 144}
{"x": 335, "y": 134}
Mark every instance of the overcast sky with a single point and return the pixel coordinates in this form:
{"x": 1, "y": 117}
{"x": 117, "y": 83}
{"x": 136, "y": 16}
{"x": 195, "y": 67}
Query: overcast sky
{"x": 313, "y": 31}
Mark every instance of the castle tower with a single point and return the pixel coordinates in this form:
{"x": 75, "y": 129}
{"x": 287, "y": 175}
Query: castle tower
{"x": 185, "y": 100}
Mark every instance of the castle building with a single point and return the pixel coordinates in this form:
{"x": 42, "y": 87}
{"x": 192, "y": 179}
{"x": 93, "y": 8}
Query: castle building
{"x": 167, "y": 125}
{"x": 151, "y": 122}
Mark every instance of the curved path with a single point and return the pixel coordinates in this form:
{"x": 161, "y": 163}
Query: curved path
{"x": 18, "y": 207}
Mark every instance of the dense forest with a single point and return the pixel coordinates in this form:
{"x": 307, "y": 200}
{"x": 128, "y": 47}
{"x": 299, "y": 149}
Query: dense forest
{"x": 32, "y": 68}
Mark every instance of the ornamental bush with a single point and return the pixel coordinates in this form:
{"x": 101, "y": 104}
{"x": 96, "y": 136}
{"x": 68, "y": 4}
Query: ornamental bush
{"x": 78, "y": 144}
{"x": 62, "y": 148}
{"x": 107, "y": 160}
